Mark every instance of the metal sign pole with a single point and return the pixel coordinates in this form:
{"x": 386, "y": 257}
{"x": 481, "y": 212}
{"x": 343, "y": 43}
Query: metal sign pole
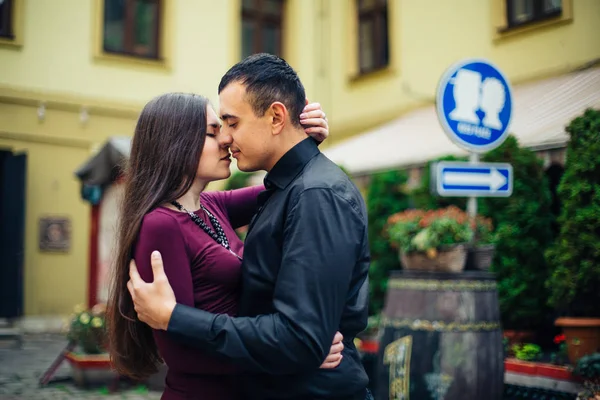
{"x": 472, "y": 202}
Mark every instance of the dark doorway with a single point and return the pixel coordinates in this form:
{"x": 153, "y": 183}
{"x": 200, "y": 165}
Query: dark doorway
{"x": 13, "y": 170}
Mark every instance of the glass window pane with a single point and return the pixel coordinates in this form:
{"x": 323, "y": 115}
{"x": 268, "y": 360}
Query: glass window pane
{"x": 551, "y": 6}
{"x": 382, "y": 41}
{"x": 365, "y": 4}
{"x": 272, "y": 7}
{"x": 366, "y": 53}
{"x": 248, "y": 4}
{"x": 270, "y": 38}
{"x": 145, "y": 28}
{"x": 114, "y": 25}
{"x": 522, "y": 11}
{"x": 5, "y": 18}
{"x": 248, "y": 32}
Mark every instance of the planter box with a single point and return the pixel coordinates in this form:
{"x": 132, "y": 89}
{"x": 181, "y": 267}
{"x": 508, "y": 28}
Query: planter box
{"x": 540, "y": 375}
{"x": 479, "y": 258}
{"x": 91, "y": 369}
{"x": 447, "y": 259}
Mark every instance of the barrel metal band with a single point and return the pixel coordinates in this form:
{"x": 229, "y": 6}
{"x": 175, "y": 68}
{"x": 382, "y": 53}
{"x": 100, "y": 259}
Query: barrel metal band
{"x": 442, "y": 285}
{"x": 440, "y": 326}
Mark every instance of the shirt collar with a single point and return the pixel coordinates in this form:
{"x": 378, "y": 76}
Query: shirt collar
{"x": 290, "y": 165}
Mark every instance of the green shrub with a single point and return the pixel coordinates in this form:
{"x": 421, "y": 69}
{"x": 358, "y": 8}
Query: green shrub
{"x": 386, "y": 195}
{"x": 527, "y": 351}
{"x": 523, "y": 232}
{"x": 588, "y": 368}
{"x": 575, "y": 257}
{"x": 422, "y": 196}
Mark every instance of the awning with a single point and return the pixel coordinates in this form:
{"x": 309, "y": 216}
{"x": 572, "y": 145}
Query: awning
{"x": 541, "y": 111}
{"x": 103, "y": 167}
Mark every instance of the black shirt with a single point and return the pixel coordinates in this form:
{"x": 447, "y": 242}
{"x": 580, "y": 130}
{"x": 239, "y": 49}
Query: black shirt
{"x": 305, "y": 268}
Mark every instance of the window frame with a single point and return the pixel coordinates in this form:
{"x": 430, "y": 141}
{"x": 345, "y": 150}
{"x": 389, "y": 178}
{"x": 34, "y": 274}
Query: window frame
{"x": 380, "y": 17}
{"x": 538, "y": 14}
{"x": 15, "y": 21}
{"x": 8, "y": 20}
{"x": 262, "y": 19}
{"x": 502, "y": 30}
{"x": 128, "y": 29}
{"x": 164, "y": 40}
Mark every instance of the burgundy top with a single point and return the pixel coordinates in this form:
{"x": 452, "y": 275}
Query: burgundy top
{"x": 204, "y": 275}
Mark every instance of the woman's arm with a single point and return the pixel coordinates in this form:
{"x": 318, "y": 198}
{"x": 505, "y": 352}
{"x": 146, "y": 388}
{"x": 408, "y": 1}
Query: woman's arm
{"x": 162, "y": 232}
{"x": 239, "y": 205}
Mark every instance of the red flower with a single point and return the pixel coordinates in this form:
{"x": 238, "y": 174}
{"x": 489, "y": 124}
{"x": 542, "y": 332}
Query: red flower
{"x": 559, "y": 339}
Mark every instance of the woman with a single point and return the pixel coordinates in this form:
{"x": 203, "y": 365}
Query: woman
{"x": 176, "y": 151}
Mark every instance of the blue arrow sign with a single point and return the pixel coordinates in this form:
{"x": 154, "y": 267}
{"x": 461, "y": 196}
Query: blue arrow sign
{"x": 474, "y": 105}
{"x": 458, "y": 179}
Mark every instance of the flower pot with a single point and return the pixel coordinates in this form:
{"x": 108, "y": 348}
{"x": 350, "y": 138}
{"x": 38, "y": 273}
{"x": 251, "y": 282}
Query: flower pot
{"x": 91, "y": 369}
{"x": 446, "y": 259}
{"x": 582, "y": 336}
{"x": 480, "y": 257}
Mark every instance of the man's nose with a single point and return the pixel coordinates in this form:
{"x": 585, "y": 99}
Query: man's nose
{"x": 225, "y": 139}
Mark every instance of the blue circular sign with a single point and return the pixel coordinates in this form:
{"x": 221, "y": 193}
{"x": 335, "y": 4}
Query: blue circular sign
{"x": 474, "y": 105}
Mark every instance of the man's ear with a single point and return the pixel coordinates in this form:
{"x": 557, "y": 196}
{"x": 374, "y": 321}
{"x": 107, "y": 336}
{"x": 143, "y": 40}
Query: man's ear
{"x": 279, "y": 115}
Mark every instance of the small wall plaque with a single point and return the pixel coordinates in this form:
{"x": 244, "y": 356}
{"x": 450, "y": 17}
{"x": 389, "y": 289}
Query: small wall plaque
{"x": 55, "y": 234}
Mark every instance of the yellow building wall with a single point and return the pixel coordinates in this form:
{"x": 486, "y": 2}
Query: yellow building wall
{"x": 56, "y": 64}
{"x": 426, "y": 37}
{"x": 58, "y": 52}
{"x": 55, "y": 147}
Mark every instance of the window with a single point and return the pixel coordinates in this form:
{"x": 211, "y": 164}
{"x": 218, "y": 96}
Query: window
{"x": 6, "y": 19}
{"x": 262, "y": 22}
{"x": 132, "y": 27}
{"x": 373, "y": 44}
{"x": 524, "y": 12}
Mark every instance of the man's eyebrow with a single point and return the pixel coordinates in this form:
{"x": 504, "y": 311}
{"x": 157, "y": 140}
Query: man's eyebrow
{"x": 227, "y": 116}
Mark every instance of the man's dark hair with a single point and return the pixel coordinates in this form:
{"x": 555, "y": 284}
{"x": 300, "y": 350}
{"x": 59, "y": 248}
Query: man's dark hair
{"x": 268, "y": 79}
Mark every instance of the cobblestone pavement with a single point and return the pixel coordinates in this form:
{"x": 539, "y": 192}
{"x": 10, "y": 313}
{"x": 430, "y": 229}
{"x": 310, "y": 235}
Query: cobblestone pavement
{"x": 20, "y": 370}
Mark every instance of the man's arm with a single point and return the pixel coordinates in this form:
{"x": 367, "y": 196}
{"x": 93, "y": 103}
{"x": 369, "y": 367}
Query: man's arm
{"x": 321, "y": 246}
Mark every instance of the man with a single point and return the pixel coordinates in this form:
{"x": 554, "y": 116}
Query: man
{"x": 306, "y": 255}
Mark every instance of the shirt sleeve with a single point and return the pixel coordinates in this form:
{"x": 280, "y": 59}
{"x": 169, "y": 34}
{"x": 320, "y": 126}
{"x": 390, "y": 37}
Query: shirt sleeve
{"x": 239, "y": 205}
{"x": 162, "y": 232}
{"x": 321, "y": 247}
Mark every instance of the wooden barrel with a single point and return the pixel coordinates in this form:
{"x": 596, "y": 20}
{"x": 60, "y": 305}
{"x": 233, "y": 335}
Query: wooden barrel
{"x": 442, "y": 338}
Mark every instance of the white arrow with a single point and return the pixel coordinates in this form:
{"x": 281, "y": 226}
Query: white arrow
{"x": 494, "y": 179}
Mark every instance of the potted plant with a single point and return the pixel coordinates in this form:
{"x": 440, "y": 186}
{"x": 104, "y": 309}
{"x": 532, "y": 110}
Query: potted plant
{"x": 89, "y": 359}
{"x": 481, "y": 252}
{"x": 527, "y": 352}
{"x": 433, "y": 240}
{"x": 575, "y": 257}
{"x": 560, "y": 357}
{"x": 588, "y": 368}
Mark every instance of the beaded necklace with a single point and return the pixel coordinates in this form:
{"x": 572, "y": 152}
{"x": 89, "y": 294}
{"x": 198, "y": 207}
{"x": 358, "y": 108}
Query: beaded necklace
{"x": 217, "y": 234}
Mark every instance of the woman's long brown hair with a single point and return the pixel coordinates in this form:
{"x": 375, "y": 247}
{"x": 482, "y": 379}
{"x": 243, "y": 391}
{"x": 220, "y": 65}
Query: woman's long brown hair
{"x": 165, "y": 152}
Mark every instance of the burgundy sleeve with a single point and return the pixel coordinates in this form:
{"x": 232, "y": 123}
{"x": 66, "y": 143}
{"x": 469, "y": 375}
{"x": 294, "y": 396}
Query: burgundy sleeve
{"x": 240, "y": 205}
{"x": 161, "y": 232}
